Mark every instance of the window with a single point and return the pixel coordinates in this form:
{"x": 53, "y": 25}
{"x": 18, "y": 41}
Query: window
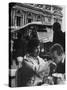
{"x": 38, "y": 18}
{"x": 18, "y": 21}
{"x": 29, "y": 17}
{"x": 49, "y": 19}
{"x": 29, "y": 20}
{"x": 55, "y": 19}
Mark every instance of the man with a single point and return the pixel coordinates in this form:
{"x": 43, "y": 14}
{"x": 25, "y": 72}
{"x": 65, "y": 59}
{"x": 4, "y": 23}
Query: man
{"x": 59, "y": 36}
{"x": 58, "y": 56}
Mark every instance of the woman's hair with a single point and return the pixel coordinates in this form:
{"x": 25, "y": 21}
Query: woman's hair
{"x": 57, "y": 47}
{"x": 32, "y": 44}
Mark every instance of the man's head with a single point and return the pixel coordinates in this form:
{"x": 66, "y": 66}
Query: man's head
{"x": 56, "y": 27}
{"x": 57, "y": 52}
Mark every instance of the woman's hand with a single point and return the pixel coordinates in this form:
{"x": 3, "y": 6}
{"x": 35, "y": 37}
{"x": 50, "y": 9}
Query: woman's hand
{"x": 44, "y": 69}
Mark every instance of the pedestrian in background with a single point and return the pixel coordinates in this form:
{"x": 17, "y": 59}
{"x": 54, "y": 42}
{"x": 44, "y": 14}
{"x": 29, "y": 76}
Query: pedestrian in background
{"x": 59, "y": 36}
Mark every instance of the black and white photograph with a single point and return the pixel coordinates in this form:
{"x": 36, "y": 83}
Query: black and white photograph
{"x": 36, "y": 44}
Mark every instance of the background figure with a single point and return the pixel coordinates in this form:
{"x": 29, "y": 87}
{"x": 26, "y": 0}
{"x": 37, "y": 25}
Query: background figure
{"x": 19, "y": 60}
{"x": 18, "y": 48}
{"x": 59, "y": 36}
{"x": 20, "y": 45}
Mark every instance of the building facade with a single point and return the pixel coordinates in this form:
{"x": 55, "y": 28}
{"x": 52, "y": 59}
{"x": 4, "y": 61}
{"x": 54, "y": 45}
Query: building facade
{"x": 21, "y": 14}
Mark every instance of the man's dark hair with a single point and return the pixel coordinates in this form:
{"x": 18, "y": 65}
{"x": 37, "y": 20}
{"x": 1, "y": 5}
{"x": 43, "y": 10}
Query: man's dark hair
{"x": 56, "y": 27}
{"x": 57, "y": 47}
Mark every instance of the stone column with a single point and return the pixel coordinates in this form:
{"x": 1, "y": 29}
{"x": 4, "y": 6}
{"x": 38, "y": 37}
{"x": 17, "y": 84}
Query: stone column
{"x": 15, "y": 19}
{"x": 34, "y": 17}
{"x": 23, "y": 18}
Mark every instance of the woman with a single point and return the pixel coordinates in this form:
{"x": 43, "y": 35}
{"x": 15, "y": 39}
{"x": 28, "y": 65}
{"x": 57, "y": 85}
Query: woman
{"x": 34, "y": 68}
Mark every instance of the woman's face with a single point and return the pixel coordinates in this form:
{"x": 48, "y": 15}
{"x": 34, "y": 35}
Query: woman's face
{"x": 37, "y": 51}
